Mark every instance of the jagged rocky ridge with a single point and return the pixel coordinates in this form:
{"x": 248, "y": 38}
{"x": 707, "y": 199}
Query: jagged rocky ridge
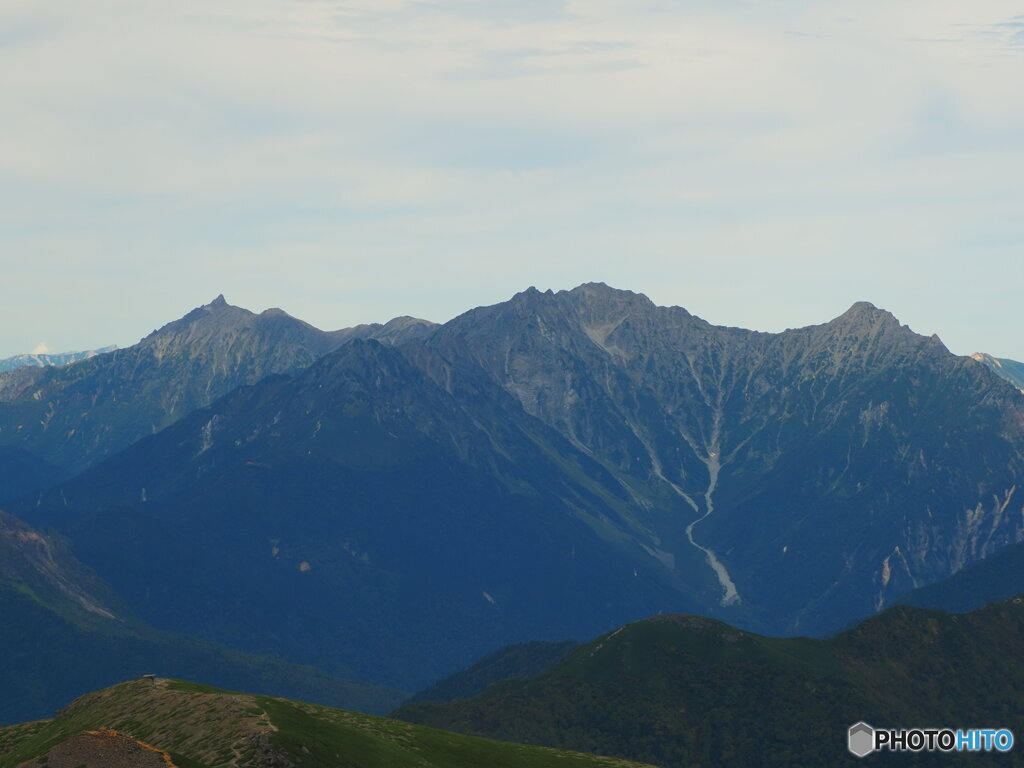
{"x": 76, "y": 415}
{"x": 806, "y": 461}
{"x": 554, "y": 465}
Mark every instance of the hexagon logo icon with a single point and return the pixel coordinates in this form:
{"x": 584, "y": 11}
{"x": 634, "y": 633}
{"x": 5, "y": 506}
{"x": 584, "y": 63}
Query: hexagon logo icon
{"x": 861, "y": 739}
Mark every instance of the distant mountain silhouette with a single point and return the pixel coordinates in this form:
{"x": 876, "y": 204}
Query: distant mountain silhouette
{"x": 47, "y": 359}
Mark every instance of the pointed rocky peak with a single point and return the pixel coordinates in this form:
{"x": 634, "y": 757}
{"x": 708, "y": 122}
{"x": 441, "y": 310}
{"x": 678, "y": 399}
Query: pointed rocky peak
{"x": 201, "y": 320}
{"x": 864, "y": 312}
{"x": 530, "y": 296}
{"x": 865, "y": 319}
{"x": 866, "y": 336}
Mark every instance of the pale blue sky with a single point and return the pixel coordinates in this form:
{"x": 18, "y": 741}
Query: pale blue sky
{"x": 762, "y": 164}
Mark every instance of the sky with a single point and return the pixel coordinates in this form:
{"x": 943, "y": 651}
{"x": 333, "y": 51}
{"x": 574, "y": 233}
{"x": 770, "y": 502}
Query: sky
{"x": 763, "y": 164}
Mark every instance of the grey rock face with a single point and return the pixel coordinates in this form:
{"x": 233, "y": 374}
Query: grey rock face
{"x": 853, "y": 458}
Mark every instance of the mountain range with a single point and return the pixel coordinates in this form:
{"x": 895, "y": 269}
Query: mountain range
{"x": 46, "y": 359}
{"x": 392, "y": 502}
{"x": 74, "y": 416}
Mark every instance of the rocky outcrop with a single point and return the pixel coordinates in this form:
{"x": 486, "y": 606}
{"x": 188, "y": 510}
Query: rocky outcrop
{"x": 102, "y": 749}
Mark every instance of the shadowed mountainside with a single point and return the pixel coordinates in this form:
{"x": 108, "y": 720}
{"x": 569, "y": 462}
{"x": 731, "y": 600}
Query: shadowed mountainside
{"x": 64, "y": 632}
{"x": 400, "y": 531}
{"x": 517, "y": 660}
{"x": 997, "y": 577}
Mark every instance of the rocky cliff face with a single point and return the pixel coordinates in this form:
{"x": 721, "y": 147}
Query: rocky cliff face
{"x": 102, "y": 749}
{"x": 851, "y": 451}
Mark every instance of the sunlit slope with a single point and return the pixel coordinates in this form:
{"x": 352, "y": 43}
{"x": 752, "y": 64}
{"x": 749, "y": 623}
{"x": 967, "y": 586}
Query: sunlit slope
{"x": 202, "y": 727}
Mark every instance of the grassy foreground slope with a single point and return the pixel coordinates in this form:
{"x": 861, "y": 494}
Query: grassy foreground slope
{"x": 202, "y": 727}
{"x": 689, "y": 691}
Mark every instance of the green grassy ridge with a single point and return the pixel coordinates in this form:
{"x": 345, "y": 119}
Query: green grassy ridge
{"x": 203, "y": 727}
{"x": 688, "y": 691}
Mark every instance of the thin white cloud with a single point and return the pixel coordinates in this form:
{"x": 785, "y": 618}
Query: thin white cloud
{"x": 496, "y": 144}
